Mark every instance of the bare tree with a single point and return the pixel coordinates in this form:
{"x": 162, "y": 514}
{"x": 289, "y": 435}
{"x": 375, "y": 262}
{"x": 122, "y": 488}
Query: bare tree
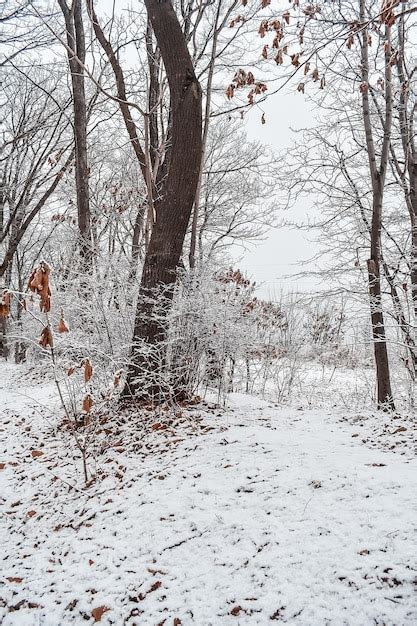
{"x": 76, "y": 58}
{"x": 174, "y": 208}
{"x": 377, "y": 174}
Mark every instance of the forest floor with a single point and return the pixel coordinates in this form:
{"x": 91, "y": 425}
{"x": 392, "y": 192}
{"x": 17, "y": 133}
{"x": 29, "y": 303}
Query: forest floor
{"x": 261, "y": 514}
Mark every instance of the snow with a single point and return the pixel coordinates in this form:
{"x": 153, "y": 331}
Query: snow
{"x": 276, "y": 514}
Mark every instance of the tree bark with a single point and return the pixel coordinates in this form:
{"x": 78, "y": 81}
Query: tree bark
{"x": 384, "y": 393}
{"x": 406, "y": 112}
{"x": 76, "y": 42}
{"x": 174, "y": 207}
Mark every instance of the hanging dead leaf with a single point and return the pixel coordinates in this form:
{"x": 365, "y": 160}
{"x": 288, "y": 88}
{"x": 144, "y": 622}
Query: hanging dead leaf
{"x": 70, "y": 371}
{"x": 62, "y": 326}
{"x": 263, "y": 28}
{"x": 39, "y": 283}
{"x": 279, "y": 58}
{"x": 88, "y": 370}
{"x": 350, "y": 41}
{"x": 388, "y": 16}
{"x": 5, "y": 304}
{"x": 87, "y": 403}
{"x": 46, "y": 338}
{"x": 295, "y": 59}
{"x": 230, "y": 92}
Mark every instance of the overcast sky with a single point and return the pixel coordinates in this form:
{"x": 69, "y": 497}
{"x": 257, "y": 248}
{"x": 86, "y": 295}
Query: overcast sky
{"x": 269, "y": 261}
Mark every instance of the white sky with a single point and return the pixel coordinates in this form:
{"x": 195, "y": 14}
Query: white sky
{"x": 283, "y": 250}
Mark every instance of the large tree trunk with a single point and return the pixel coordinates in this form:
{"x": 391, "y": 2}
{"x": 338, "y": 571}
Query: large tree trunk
{"x": 173, "y": 209}
{"x": 377, "y": 175}
{"x": 76, "y": 42}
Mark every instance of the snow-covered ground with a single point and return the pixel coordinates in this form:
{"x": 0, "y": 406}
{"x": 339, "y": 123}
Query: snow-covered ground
{"x": 273, "y": 514}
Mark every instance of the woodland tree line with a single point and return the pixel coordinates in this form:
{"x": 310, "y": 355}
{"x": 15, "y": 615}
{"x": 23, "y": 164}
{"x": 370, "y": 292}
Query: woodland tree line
{"x": 126, "y": 176}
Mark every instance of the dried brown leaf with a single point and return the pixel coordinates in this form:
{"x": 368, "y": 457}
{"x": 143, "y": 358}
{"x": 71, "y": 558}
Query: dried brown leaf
{"x": 98, "y": 612}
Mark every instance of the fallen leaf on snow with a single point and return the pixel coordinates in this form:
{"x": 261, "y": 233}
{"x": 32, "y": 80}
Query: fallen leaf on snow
{"x": 36, "y": 453}
{"x": 236, "y": 610}
{"x": 98, "y": 612}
